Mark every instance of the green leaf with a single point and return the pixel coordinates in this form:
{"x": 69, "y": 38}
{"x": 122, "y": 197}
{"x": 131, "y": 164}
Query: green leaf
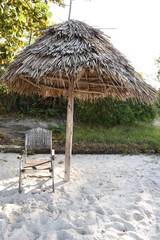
{"x": 17, "y": 19}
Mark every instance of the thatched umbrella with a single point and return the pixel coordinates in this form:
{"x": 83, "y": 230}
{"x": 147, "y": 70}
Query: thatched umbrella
{"x": 75, "y": 60}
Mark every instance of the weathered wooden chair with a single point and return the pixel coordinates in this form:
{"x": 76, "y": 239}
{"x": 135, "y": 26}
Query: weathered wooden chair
{"x": 37, "y": 139}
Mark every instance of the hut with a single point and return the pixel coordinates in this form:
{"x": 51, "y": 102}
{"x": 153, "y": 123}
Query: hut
{"x": 74, "y": 59}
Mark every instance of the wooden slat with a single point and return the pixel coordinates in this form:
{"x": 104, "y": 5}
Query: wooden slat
{"x": 37, "y": 164}
{"x": 101, "y": 84}
{"x": 89, "y": 92}
{"x": 35, "y": 85}
{"x": 38, "y": 138}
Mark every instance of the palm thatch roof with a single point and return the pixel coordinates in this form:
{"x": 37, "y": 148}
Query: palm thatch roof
{"x": 73, "y": 51}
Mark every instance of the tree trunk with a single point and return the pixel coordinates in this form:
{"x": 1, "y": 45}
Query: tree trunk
{"x": 69, "y": 132}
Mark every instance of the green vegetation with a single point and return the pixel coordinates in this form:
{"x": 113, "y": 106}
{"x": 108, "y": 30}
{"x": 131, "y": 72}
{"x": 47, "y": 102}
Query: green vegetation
{"x": 112, "y": 112}
{"x": 141, "y": 133}
{"x": 135, "y": 139}
{"x": 34, "y": 106}
{"x": 157, "y": 104}
{"x": 108, "y": 124}
{"x": 20, "y": 23}
{"x": 59, "y": 132}
{"x": 107, "y": 112}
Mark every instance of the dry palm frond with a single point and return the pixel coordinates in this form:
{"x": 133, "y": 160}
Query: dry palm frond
{"x": 75, "y": 52}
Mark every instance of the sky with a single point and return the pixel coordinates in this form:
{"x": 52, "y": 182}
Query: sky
{"x": 133, "y": 28}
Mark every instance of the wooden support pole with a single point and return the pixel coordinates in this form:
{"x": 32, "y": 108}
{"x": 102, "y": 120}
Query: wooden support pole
{"x": 69, "y": 132}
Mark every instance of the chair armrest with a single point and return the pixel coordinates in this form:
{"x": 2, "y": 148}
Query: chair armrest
{"x": 53, "y": 154}
{"x": 21, "y": 154}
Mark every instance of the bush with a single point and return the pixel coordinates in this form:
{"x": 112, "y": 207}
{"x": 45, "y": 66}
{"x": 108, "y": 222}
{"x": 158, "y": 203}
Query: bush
{"x": 33, "y": 105}
{"x": 106, "y": 112}
{"x": 158, "y": 103}
{"x": 111, "y": 112}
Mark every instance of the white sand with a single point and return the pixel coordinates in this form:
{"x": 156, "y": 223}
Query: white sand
{"x": 108, "y": 197}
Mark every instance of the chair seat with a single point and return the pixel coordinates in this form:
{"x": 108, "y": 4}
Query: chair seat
{"x": 37, "y": 165}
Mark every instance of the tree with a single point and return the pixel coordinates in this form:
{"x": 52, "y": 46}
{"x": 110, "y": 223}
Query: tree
{"x": 20, "y": 23}
{"x": 158, "y": 66}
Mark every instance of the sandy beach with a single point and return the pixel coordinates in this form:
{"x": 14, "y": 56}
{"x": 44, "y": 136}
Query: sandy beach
{"x": 108, "y": 197}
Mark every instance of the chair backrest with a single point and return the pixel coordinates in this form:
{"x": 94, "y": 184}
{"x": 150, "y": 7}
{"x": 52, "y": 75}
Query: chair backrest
{"x": 38, "y": 138}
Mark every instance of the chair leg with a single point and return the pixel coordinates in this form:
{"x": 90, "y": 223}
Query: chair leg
{"x": 20, "y": 187}
{"x": 52, "y": 164}
{"x": 20, "y": 175}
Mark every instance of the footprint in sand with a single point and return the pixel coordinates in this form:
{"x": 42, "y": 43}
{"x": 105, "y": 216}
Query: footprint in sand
{"x": 49, "y": 236}
{"x": 16, "y": 225}
{"x": 64, "y": 234}
{"x": 82, "y": 189}
{"x": 91, "y": 218}
{"x": 33, "y": 228}
{"x": 99, "y": 210}
{"x": 120, "y": 223}
{"x": 20, "y": 219}
{"x": 79, "y": 222}
{"x": 44, "y": 219}
{"x": 137, "y": 216}
{"x": 135, "y": 236}
{"x": 91, "y": 199}
{"x": 3, "y": 225}
{"x": 64, "y": 202}
{"x": 85, "y": 230}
